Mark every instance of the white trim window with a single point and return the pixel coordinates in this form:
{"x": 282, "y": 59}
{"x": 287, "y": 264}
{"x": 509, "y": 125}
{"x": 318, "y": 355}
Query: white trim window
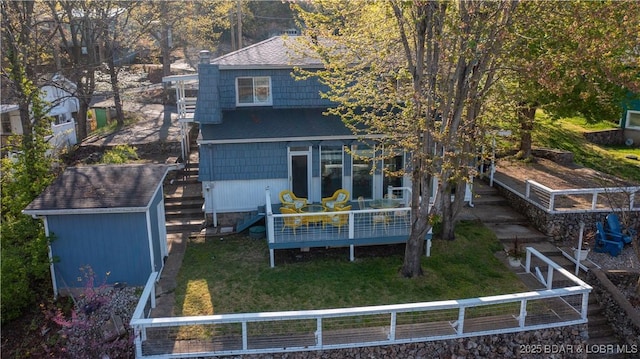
{"x": 253, "y": 91}
{"x": 633, "y": 120}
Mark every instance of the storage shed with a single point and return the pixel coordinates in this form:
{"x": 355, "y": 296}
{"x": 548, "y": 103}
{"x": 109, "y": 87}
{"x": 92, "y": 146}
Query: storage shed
{"x": 108, "y": 217}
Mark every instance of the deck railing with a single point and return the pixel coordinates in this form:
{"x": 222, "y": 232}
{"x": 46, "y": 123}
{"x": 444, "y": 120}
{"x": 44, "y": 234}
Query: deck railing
{"x": 561, "y": 301}
{"x": 352, "y": 228}
{"x": 591, "y": 199}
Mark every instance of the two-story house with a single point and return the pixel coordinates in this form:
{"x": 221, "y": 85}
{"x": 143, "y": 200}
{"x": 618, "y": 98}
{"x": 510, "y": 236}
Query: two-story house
{"x": 260, "y": 127}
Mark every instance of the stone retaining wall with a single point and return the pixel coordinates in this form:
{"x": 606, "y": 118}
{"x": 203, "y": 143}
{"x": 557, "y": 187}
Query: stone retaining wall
{"x": 533, "y": 344}
{"x": 605, "y": 137}
{"x": 558, "y": 226}
{"x": 621, "y": 315}
{"x": 555, "y": 155}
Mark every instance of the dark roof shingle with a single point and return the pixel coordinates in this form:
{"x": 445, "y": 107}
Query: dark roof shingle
{"x": 100, "y": 188}
{"x": 270, "y": 123}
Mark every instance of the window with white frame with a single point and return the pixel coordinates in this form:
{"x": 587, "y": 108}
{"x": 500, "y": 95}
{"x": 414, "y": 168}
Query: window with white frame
{"x": 393, "y": 172}
{"x": 633, "y": 120}
{"x": 361, "y": 168}
{"x": 331, "y": 169}
{"x": 253, "y": 91}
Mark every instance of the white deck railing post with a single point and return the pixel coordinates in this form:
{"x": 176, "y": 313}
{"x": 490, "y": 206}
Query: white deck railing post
{"x": 270, "y": 225}
{"x": 550, "y": 277}
{"x": 523, "y": 313}
{"x": 392, "y": 326}
{"x": 245, "y": 336}
{"x": 460, "y": 322}
{"x": 318, "y": 333}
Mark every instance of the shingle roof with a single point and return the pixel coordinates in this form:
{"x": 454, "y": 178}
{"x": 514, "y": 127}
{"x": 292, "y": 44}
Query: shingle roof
{"x": 266, "y": 123}
{"x": 278, "y": 51}
{"x": 100, "y": 188}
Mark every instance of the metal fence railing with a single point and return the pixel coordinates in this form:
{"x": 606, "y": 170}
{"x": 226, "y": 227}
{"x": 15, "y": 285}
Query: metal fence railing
{"x": 561, "y": 301}
{"x": 593, "y": 199}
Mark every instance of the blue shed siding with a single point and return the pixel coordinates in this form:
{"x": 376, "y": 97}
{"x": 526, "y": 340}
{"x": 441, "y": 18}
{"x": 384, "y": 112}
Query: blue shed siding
{"x": 244, "y": 161}
{"x": 116, "y": 243}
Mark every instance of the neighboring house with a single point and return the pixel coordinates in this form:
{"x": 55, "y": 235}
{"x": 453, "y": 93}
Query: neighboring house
{"x": 260, "y": 128}
{"x": 108, "y": 217}
{"x": 10, "y": 115}
{"x": 62, "y": 108}
{"x": 630, "y": 123}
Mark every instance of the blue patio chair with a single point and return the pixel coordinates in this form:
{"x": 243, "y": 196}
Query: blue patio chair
{"x": 604, "y": 245}
{"x": 614, "y": 229}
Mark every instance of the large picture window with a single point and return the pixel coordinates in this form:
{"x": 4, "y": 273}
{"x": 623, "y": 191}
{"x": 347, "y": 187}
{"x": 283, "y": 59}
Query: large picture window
{"x": 253, "y": 91}
{"x": 331, "y": 169}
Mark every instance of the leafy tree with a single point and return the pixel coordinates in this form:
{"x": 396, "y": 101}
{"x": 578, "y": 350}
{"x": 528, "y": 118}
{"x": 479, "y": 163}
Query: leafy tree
{"x": 573, "y": 57}
{"x": 115, "y": 31}
{"x": 79, "y": 30}
{"x": 417, "y": 74}
{"x": 24, "y": 246}
{"x": 187, "y": 25}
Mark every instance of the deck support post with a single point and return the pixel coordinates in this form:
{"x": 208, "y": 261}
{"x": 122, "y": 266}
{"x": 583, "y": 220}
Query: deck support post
{"x": 351, "y": 253}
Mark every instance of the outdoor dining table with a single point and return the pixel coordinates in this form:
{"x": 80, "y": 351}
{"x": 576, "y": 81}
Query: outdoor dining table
{"x": 385, "y": 203}
{"x": 313, "y": 208}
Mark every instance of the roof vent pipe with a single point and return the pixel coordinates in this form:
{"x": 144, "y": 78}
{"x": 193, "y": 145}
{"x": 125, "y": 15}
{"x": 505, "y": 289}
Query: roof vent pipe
{"x": 205, "y": 57}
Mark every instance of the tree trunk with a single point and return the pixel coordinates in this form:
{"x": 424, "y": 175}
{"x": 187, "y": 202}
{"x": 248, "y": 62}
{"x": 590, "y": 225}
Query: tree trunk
{"x": 412, "y": 266}
{"x": 166, "y": 63}
{"x": 115, "y": 87}
{"x": 420, "y": 225}
{"x": 526, "y": 118}
{"x": 451, "y": 209}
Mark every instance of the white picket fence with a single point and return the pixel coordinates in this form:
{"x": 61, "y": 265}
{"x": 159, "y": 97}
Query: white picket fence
{"x": 561, "y": 301}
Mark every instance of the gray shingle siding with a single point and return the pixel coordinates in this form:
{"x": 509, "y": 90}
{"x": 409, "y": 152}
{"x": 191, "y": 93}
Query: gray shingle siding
{"x": 248, "y": 161}
{"x": 208, "y": 103}
{"x": 286, "y": 91}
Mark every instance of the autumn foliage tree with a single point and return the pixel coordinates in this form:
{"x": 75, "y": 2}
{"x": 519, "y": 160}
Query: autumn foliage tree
{"x": 412, "y": 76}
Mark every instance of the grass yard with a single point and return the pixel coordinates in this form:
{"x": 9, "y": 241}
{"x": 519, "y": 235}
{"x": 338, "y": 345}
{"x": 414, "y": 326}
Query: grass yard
{"x": 232, "y": 275}
{"x": 566, "y": 134}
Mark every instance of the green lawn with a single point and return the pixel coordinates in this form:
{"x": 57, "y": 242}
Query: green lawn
{"x": 232, "y": 275}
{"x": 566, "y": 134}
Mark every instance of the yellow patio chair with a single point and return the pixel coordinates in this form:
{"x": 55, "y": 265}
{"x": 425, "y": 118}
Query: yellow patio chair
{"x": 292, "y": 222}
{"x": 289, "y": 200}
{"x": 338, "y": 199}
{"x": 338, "y": 220}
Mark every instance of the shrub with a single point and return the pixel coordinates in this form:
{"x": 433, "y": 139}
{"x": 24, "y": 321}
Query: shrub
{"x": 120, "y": 154}
{"x": 98, "y": 324}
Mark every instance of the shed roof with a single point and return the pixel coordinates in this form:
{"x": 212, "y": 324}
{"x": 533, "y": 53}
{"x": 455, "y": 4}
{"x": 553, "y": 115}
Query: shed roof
{"x": 258, "y": 125}
{"x": 275, "y": 52}
{"x": 100, "y": 189}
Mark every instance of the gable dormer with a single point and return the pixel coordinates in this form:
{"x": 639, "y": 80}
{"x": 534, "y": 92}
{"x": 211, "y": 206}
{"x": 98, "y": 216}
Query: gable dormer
{"x": 256, "y": 76}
